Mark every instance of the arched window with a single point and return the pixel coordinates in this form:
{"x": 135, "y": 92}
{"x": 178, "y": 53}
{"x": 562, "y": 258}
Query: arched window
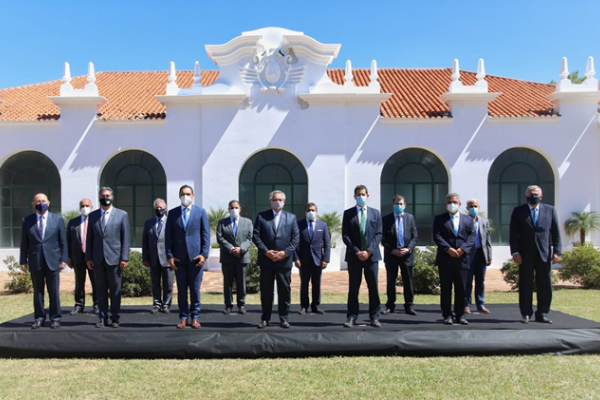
{"x": 137, "y": 178}
{"x": 270, "y": 170}
{"x": 22, "y": 176}
{"x": 420, "y": 177}
{"x": 509, "y": 176}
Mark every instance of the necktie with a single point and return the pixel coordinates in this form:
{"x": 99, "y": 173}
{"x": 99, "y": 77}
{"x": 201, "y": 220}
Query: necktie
{"x": 234, "y": 227}
{"x": 363, "y": 229}
{"x": 400, "y": 232}
{"x": 535, "y": 216}
{"x": 158, "y": 227}
{"x": 185, "y": 217}
{"x": 104, "y": 221}
{"x": 310, "y": 229}
{"x": 454, "y": 225}
{"x": 42, "y": 227}
{"x": 84, "y": 234}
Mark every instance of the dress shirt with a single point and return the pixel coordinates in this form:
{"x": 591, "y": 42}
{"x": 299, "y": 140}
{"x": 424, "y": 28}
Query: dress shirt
{"x": 455, "y": 220}
{"x": 39, "y": 216}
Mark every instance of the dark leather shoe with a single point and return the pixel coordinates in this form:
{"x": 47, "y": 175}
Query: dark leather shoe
{"x": 115, "y": 325}
{"x": 182, "y": 324}
{"x": 318, "y": 311}
{"x": 302, "y": 311}
{"x": 55, "y": 325}
{"x": 448, "y": 321}
{"x": 525, "y": 319}
{"x": 263, "y": 324}
{"x": 375, "y": 323}
{"x": 467, "y": 310}
{"x": 350, "y": 322}
{"x": 227, "y": 310}
{"x": 387, "y": 311}
{"x": 410, "y": 311}
{"x": 543, "y": 320}
{"x": 101, "y": 324}
{"x": 195, "y": 324}
{"x": 242, "y": 310}
{"x": 37, "y": 325}
{"x": 463, "y": 321}
{"x": 155, "y": 310}
{"x": 165, "y": 310}
{"x": 483, "y": 310}
{"x": 76, "y": 311}
{"x": 284, "y": 324}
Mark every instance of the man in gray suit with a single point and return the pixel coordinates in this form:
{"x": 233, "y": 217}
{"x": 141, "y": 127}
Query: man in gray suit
{"x": 481, "y": 257}
{"x": 154, "y": 255}
{"x": 234, "y": 235}
{"x": 44, "y": 249}
{"x": 107, "y": 245}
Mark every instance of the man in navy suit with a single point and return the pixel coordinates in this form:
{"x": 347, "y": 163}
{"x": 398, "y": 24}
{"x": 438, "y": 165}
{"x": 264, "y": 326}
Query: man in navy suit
{"x": 276, "y": 236}
{"x": 312, "y": 257}
{"x": 454, "y": 234}
{"x": 361, "y": 232}
{"x": 187, "y": 240}
{"x": 76, "y": 243}
{"x": 44, "y": 249}
{"x": 107, "y": 254}
{"x": 535, "y": 245}
{"x": 399, "y": 241}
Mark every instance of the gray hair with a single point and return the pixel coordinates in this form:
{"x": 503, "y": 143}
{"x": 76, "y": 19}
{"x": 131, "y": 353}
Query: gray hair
{"x": 452, "y": 195}
{"x": 471, "y": 201}
{"x": 275, "y": 192}
{"x": 158, "y": 199}
{"x": 531, "y": 188}
{"x": 104, "y": 188}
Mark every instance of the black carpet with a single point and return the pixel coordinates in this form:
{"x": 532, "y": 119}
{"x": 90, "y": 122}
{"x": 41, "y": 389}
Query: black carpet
{"x": 143, "y": 335}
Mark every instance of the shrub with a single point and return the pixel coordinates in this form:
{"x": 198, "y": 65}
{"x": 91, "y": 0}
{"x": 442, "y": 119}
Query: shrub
{"x": 253, "y": 273}
{"x": 20, "y": 282}
{"x": 426, "y": 279}
{"x": 510, "y": 272}
{"x": 69, "y": 215}
{"x": 136, "y": 278}
{"x": 582, "y": 266}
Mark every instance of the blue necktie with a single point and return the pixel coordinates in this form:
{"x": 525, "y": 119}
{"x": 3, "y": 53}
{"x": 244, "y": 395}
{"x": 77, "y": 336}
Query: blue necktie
{"x": 158, "y": 227}
{"x": 185, "y": 217}
{"x": 535, "y": 216}
{"x": 234, "y": 228}
{"x": 42, "y": 227}
{"x": 453, "y": 225}
{"x": 310, "y": 229}
{"x": 400, "y": 232}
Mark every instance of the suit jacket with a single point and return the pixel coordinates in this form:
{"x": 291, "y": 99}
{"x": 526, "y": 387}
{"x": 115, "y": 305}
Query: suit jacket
{"x": 389, "y": 240}
{"x": 227, "y": 240}
{"x": 193, "y": 241}
{"x": 486, "y": 237}
{"x": 527, "y": 240}
{"x": 53, "y": 246}
{"x": 351, "y": 233}
{"x": 444, "y": 237}
{"x": 315, "y": 250}
{"x": 153, "y": 244}
{"x": 285, "y": 238}
{"x": 74, "y": 240}
{"x": 110, "y": 244}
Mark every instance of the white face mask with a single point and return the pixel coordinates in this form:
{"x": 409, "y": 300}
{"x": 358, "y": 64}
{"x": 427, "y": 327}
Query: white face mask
{"x": 311, "y": 215}
{"x": 85, "y": 211}
{"x": 234, "y": 213}
{"x": 277, "y": 204}
{"x": 452, "y": 208}
{"x": 186, "y": 200}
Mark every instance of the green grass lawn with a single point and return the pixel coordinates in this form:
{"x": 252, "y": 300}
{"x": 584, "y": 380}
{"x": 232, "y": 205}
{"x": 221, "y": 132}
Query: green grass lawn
{"x": 529, "y": 377}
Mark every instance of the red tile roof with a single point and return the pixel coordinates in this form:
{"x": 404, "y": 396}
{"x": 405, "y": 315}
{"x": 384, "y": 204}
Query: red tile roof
{"x": 415, "y": 94}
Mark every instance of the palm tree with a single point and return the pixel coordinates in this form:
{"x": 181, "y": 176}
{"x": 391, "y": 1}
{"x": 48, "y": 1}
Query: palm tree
{"x": 214, "y": 216}
{"x": 333, "y": 221}
{"x": 584, "y": 223}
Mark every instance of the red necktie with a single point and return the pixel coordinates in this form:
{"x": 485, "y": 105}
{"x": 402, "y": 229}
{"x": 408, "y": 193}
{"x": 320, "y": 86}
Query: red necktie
{"x": 84, "y": 235}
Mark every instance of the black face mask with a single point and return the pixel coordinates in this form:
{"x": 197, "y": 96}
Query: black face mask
{"x": 105, "y": 201}
{"x": 159, "y": 212}
{"x": 534, "y": 200}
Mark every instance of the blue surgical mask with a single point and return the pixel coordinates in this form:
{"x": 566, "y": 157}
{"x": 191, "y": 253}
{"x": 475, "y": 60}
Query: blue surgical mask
{"x": 473, "y": 211}
{"x": 41, "y": 207}
{"x": 398, "y": 209}
{"x": 361, "y": 201}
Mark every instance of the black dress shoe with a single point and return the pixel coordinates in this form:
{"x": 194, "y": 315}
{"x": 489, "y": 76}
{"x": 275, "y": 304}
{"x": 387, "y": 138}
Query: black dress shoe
{"x": 165, "y": 310}
{"x": 302, "y": 311}
{"x": 101, "y": 324}
{"x": 155, "y": 310}
{"x": 115, "y": 325}
{"x": 263, "y": 324}
{"x": 375, "y": 323}
{"x": 76, "y": 311}
{"x": 463, "y": 321}
{"x": 350, "y": 322}
{"x": 242, "y": 310}
{"x": 227, "y": 310}
{"x": 448, "y": 321}
{"x": 37, "y": 325}
{"x": 55, "y": 325}
{"x": 525, "y": 319}
{"x": 543, "y": 320}
{"x": 318, "y": 311}
{"x": 387, "y": 311}
{"x": 284, "y": 324}
{"x": 410, "y": 311}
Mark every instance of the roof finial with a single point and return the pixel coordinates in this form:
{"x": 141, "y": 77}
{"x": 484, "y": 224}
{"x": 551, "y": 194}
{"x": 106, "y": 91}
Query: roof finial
{"x": 67, "y": 77}
{"x": 197, "y": 74}
{"x": 564, "y": 68}
{"x": 590, "y": 71}
{"x": 348, "y": 77}
{"x": 172, "y": 88}
{"x": 480, "y": 70}
{"x": 91, "y": 76}
{"x": 374, "y": 74}
{"x": 455, "y": 70}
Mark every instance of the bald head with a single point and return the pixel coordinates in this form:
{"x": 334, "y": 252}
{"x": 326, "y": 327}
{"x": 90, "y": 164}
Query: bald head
{"x": 40, "y": 198}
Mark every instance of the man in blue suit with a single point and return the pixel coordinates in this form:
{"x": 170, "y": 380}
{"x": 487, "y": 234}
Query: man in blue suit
{"x": 187, "y": 241}
{"x": 535, "y": 245}
{"x": 312, "y": 257}
{"x": 454, "y": 234}
{"x": 107, "y": 254}
{"x": 44, "y": 249}
{"x": 361, "y": 232}
{"x": 276, "y": 236}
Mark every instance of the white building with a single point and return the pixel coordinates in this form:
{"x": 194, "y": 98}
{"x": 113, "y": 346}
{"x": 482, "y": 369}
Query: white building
{"x": 274, "y": 117}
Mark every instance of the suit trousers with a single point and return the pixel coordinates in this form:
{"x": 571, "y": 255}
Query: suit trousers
{"x": 189, "y": 276}
{"x": 81, "y": 271}
{"x": 452, "y": 275}
{"x": 543, "y": 280}
{"x": 477, "y": 271}
{"x": 310, "y": 273}
{"x": 355, "y": 272}
{"x": 268, "y": 276}
{"x": 42, "y": 279}
{"x": 161, "y": 277}
{"x": 406, "y": 272}
{"x": 108, "y": 282}
{"x": 234, "y": 272}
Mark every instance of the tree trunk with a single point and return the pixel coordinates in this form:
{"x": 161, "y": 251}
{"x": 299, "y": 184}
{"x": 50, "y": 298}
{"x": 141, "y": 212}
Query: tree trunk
{"x": 582, "y": 236}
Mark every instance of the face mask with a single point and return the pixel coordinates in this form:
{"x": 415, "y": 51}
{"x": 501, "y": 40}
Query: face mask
{"x": 105, "y": 201}
{"x": 473, "y": 211}
{"x": 277, "y": 204}
{"x": 41, "y": 207}
{"x": 186, "y": 200}
{"x": 85, "y": 211}
{"x": 398, "y": 209}
{"x": 534, "y": 199}
{"x": 311, "y": 215}
{"x": 452, "y": 208}
{"x": 234, "y": 213}
{"x": 361, "y": 200}
{"x": 159, "y": 212}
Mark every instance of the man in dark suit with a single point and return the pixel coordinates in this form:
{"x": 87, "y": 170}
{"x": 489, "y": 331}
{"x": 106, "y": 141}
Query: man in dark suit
{"x": 276, "y": 236}
{"x": 107, "y": 254}
{"x": 535, "y": 245}
{"x": 154, "y": 255}
{"x": 312, "y": 257}
{"x": 454, "y": 235}
{"x": 76, "y": 243}
{"x": 399, "y": 240}
{"x": 234, "y": 235}
{"x": 481, "y": 257}
{"x": 187, "y": 243}
{"x": 44, "y": 249}
{"x": 361, "y": 232}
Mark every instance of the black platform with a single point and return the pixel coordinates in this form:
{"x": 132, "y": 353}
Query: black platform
{"x": 143, "y": 335}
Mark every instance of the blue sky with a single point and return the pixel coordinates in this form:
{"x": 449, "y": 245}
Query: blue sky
{"x": 518, "y": 39}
